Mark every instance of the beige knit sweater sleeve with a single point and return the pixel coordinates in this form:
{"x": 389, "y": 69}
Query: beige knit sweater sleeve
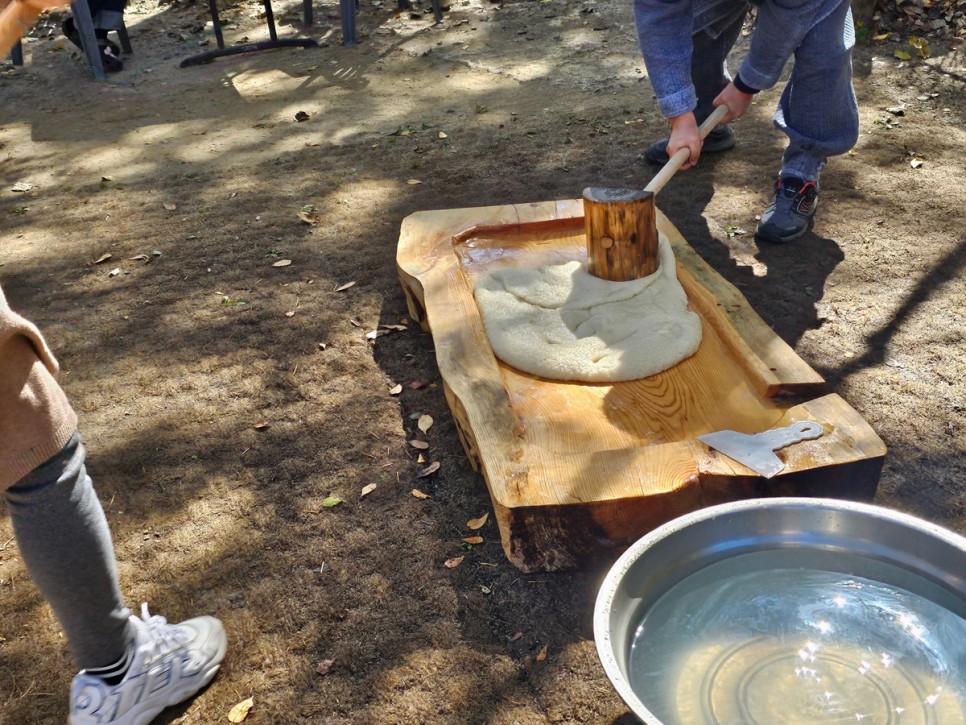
{"x": 36, "y": 419}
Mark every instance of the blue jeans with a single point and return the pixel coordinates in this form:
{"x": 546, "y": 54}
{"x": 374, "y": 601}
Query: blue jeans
{"x": 64, "y": 540}
{"x": 817, "y": 110}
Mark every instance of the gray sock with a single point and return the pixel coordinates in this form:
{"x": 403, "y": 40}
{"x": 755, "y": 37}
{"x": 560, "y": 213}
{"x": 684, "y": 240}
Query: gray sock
{"x": 66, "y": 544}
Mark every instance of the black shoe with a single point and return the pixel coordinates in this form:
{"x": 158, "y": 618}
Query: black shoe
{"x": 790, "y": 215}
{"x": 110, "y": 53}
{"x": 720, "y": 138}
{"x": 109, "y": 59}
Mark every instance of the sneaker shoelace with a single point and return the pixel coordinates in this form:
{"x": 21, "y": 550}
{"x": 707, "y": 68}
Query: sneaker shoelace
{"x": 788, "y": 195}
{"x": 166, "y": 637}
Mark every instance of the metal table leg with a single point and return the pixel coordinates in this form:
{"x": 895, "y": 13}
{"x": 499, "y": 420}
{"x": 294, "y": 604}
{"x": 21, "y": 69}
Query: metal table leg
{"x": 222, "y": 51}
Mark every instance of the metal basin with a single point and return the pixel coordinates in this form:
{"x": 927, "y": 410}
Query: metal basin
{"x": 770, "y": 659}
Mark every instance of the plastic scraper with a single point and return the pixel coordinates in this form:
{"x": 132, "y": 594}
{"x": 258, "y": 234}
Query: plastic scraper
{"x": 758, "y": 451}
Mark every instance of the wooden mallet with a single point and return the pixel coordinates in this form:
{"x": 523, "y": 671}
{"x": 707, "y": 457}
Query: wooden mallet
{"x": 621, "y": 224}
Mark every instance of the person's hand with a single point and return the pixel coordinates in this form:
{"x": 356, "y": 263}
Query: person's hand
{"x": 17, "y": 17}
{"x": 738, "y": 103}
{"x": 685, "y": 134}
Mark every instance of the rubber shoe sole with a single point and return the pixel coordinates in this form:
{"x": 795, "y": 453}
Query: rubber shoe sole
{"x": 775, "y": 235}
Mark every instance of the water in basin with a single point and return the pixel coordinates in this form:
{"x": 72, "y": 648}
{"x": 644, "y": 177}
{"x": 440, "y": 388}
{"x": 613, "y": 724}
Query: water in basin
{"x": 784, "y": 637}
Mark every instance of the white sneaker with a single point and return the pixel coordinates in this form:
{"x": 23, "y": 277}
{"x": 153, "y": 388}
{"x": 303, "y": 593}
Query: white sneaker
{"x": 171, "y": 662}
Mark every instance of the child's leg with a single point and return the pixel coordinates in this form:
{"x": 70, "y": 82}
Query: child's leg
{"x": 818, "y": 110}
{"x": 65, "y": 542}
{"x": 709, "y": 73}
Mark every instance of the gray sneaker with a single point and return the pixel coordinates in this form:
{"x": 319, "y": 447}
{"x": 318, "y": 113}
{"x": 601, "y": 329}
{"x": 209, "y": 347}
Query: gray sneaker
{"x": 720, "y": 138}
{"x": 170, "y": 663}
{"x": 790, "y": 215}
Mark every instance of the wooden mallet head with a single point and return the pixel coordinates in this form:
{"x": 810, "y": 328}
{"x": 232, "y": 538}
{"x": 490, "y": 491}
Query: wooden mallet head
{"x": 621, "y": 226}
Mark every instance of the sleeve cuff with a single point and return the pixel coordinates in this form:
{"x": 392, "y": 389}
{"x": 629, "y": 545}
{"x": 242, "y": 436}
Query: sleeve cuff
{"x": 678, "y": 103}
{"x": 744, "y": 87}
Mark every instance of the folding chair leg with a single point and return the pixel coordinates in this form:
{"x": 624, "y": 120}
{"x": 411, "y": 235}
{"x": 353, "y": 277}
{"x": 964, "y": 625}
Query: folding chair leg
{"x": 16, "y": 53}
{"x": 85, "y": 28}
{"x": 124, "y": 38}
{"x": 348, "y": 10}
{"x": 216, "y": 24}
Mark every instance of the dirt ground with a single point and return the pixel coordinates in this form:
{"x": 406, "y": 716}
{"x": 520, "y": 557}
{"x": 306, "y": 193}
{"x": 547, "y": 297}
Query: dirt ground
{"x": 224, "y": 398}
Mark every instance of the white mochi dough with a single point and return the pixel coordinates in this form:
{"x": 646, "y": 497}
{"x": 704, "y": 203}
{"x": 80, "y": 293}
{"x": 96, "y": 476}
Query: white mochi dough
{"x": 561, "y": 322}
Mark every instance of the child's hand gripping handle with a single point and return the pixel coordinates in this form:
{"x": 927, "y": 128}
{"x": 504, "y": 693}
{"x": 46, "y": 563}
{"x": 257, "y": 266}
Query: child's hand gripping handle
{"x": 671, "y": 167}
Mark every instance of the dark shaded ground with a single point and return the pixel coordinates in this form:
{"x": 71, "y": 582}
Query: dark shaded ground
{"x": 175, "y": 365}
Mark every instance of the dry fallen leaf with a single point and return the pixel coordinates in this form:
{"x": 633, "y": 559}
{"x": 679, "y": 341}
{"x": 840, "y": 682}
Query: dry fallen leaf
{"x": 290, "y": 313}
{"x": 916, "y": 162}
{"x": 170, "y": 205}
{"x": 454, "y": 562}
{"x": 429, "y": 470}
{"x": 419, "y": 445}
{"x": 413, "y": 182}
{"x": 474, "y": 540}
{"x": 475, "y": 524}
{"x": 424, "y": 423}
{"x": 516, "y": 636}
{"x": 417, "y": 384}
{"x": 102, "y": 258}
{"x": 345, "y": 286}
{"x": 376, "y": 333}
{"x": 114, "y": 272}
{"x": 367, "y": 489}
{"x": 309, "y": 214}
{"x": 441, "y": 135}
{"x": 396, "y": 389}
{"x": 542, "y": 654}
{"x": 420, "y": 458}
{"x": 332, "y": 501}
{"x": 419, "y": 494}
{"x": 301, "y": 116}
{"x": 922, "y": 47}
{"x": 324, "y": 667}
{"x": 261, "y": 425}
{"x": 282, "y": 263}
{"x": 240, "y": 711}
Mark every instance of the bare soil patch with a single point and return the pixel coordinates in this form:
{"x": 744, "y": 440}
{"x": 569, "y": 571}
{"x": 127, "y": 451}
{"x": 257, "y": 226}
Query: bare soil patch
{"x": 224, "y": 399}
